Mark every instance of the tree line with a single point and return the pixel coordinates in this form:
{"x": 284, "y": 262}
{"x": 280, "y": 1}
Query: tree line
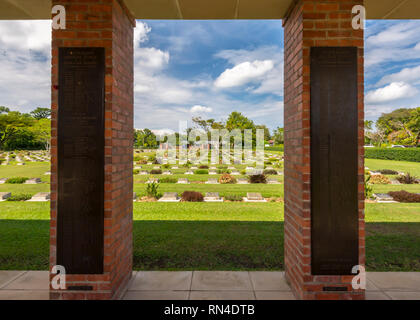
{"x": 399, "y": 127}
{"x": 25, "y": 131}
{"x": 145, "y": 138}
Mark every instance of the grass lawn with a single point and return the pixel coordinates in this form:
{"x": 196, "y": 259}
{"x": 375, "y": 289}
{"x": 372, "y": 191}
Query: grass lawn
{"x": 402, "y": 166}
{"x": 211, "y": 236}
{"x": 29, "y": 170}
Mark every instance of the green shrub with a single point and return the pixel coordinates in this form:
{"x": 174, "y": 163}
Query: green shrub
{"x": 257, "y": 178}
{"x": 136, "y": 158}
{"x": 388, "y": 171}
{"x": 16, "y": 180}
{"x": 404, "y": 196}
{"x": 168, "y": 180}
{"x": 397, "y": 154}
{"x": 270, "y": 171}
{"x": 233, "y": 197}
{"x": 156, "y": 171}
{"x": 222, "y": 171}
{"x": 407, "y": 179}
{"x": 20, "y": 197}
{"x": 152, "y": 190}
{"x": 243, "y": 172}
{"x": 368, "y": 186}
{"x": 201, "y": 171}
{"x": 136, "y": 171}
{"x": 192, "y": 196}
{"x": 221, "y": 167}
{"x": 142, "y": 161}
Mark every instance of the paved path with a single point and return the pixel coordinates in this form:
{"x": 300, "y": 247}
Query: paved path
{"x": 214, "y": 285}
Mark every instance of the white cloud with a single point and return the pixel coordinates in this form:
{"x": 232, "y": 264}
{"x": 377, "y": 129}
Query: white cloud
{"x": 269, "y": 83}
{"x": 26, "y": 35}
{"x": 394, "y": 91}
{"x": 243, "y": 73}
{"x": 199, "y": 109}
{"x": 406, "y": 75}
{"x": 141, "y": 33}
{"x": 151, "y": 58}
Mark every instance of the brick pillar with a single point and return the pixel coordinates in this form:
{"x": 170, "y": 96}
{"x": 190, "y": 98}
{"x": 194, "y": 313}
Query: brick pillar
{"x": 107, "y": 24}
{"x": 323, "y": 23}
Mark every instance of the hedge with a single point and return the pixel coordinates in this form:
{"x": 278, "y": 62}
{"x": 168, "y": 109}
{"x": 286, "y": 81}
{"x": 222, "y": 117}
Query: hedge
{"x": 398, "y": 154}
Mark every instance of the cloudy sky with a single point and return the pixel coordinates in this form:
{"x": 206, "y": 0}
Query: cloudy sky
{"x": 210, "y": 68}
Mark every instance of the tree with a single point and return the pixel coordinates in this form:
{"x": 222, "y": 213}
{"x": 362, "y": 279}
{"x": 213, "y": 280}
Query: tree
{"x": 278, "y": 135}
{"x": 237, "y": 120}
{"x": 145, "y": 138}
{"x": 41, "y": 113}
{"x": 11, "y": 124}
{"x": 267, "y": 135}
{"x": 368, "y": 131}
{"x": 396, "y": 126}
{"x": 42, "y": 132}
{"x": 4, "y": 109}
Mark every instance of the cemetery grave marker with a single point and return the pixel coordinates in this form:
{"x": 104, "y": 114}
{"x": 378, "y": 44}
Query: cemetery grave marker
{"x": 4, "y": 196}
{"x": 40, "y": 196}
{"x": 170, "y": 197}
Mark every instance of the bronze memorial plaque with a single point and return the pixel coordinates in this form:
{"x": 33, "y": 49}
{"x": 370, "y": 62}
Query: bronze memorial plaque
{"x": 80, "y": 216}
{"x": 334, "y": 154}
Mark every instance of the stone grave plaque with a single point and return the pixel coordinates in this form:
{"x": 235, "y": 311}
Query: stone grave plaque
{"x": 242, "y": 181}
{"x": 212, "y": 181}
{"x": 334, "y": 160}
{"x": 33, "y": 181}
{"x": 41, "y": 196}
{"x": 183, "y": 180}
{"x": 3, "y": 180}
{"x": 169, "y": 197}
{"x": 5, "y": 195}
{"x": 80, "y": 203}
{"x": 254, "y": 196}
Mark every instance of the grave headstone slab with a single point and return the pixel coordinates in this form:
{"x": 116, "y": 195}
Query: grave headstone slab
{"x": 272, "y": 181}
{"x": 183, "y": 180}
{"x": 170, "y": 197}
{"x": 254, "y": 197}
{"x": 242, "y": 181}
{"x": 213, "y": 197}
{"x": 189, "y": 172}
{"x": 134, "y": 196}
{"x": 167, "y": 172}
{"x": 212, "y": 181}
{"x": 3, "y": 180}
{"x": 383, "y": 197}
{"x": 4, "y": 196}
{"x": 33, "y": 181}
{"x": 41, "y": 196}
{"x": 212, "y": 172}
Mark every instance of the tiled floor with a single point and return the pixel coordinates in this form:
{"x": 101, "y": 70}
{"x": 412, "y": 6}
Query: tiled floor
{"x": 213, "y": 285}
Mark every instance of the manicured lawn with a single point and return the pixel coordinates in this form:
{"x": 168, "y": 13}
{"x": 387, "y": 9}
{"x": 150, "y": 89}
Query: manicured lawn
{"x": 401, "y": 166}
{"x": 211, "y": 236}
{"x": 29, "y": 170}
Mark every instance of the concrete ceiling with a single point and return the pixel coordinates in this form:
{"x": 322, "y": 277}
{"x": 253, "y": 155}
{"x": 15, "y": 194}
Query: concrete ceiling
{"x": 210, "y": 9}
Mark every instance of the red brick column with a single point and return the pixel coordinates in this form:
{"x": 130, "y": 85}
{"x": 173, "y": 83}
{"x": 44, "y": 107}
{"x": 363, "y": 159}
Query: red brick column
{"x": 108, "y": 24}
{"x": 311, "y": 23}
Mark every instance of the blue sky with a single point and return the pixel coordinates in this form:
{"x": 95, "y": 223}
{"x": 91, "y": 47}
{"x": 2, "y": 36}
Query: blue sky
{"x": 210, "y": 68}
